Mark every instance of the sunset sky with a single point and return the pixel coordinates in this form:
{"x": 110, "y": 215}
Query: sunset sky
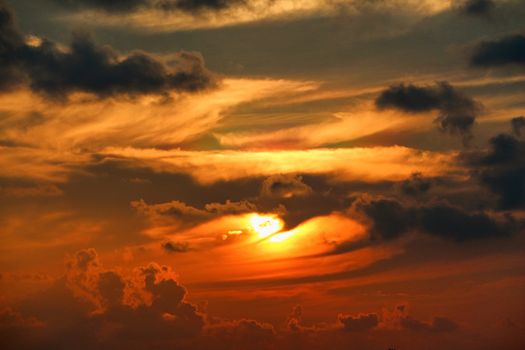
{"x": 262, "y": 174}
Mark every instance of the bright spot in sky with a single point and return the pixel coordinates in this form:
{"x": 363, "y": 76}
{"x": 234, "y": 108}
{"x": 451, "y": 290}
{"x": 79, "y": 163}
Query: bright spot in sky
{"x": 279, "y": 237}
{"x": 265, "y": 225}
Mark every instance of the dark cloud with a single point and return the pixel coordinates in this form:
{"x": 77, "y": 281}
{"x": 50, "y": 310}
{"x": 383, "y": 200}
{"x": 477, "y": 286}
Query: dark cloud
{"x": 180, "y": 213}
{"x": 457, "y": 112}
{"x": 389, "y": 218}
{"x": 477, "y": 7}
{"x": 518, "y": 124}
{"x": 95, "y": 308}
{"x": 438, "y": 324}
{"x": 176, "y": 247}
{"x": 359, "y": 323}
{"x": 285, "y": 186}
{"x": 415, "y": 185}
{"x": 502, "y": 170}
{"x": 504, "y": 51}
{"x": 125, "y": 6}
{"x": 87, "y": 67}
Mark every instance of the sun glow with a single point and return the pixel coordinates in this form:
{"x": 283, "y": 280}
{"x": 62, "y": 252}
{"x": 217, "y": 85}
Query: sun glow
{"x": 265, "y": 225}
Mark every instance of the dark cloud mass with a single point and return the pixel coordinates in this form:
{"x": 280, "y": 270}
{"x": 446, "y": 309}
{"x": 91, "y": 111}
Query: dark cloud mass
{"x": 87, "y": 67}
{"x": 504, "y": 51}
{"x": 457, "y": 112}
{"x": 502, "y": 170}
{"x": 415, "y": 185}
{"x": 439, "y": 324}
{"x": 390, "y": 219}
{"x": 359, "y": 323}
{"x": 518, "y": 125}
{"x": 124, "y": 6}
{"x": 477, "y": 7}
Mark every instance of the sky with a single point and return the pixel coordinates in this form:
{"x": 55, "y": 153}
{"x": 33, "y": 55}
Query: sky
{"x": 262, "y": 174}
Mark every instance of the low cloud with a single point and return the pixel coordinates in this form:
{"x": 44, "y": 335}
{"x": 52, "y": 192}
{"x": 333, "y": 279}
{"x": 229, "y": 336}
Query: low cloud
{"x": 477, "y": 7}
{"x": 501, "y": 169}
{"x": 56, "y": 72}
{"x": 390, "y": 218}
{"x": 457, "y": 112}
{"x": 285, "y": 186}
{"x": 507, "y": 50}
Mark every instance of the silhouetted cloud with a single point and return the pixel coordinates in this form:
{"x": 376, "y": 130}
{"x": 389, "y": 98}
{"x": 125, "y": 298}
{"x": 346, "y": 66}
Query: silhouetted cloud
{"x": 390, "y": 219}
{"x": 415, "y": 185}
{"x": 477, "y": 7}
{"x": 124, "y": 6}
{"x": 518, "y": 124}
{"x": 457, "y": 112}
{"x": 87, "y": 67}
{"x": 502, "y": 170}
{"x": 285, "y": 186}
{"x": 439, "y": 324}
{"x": 359, "y": 323}
{"x": 176, "y": 247}
{"x": 504, "y": 51}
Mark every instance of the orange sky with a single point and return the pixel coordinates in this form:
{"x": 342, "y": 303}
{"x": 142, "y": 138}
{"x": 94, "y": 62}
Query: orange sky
{"x": 256, "y": 174}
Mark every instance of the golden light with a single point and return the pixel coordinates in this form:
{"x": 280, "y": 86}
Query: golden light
{"x": 265, "y": 225}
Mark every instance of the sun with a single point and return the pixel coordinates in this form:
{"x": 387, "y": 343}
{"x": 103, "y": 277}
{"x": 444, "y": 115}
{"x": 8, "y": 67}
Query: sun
{"x": 265, "y": 225}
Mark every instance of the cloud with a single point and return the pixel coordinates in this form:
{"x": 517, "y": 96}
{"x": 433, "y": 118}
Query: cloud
{"x": 415, "y": 185}
{"x": 176, "y": 247}
{"x": 502, "y": 170}
{"x": 507, "y": 50}
{"x": 438, "y": 324}
{"x": 389, "y": 218}
{"x": 477, "y": 7}
{"x": 359, "y": 323}
{"x": 125, "y": 6}
{"x": 457, "y": 112}
{"x": 115, "y": 309}
{"x": 518, "y": 124}
{"x": 177, "y": 212}
{"x": 285, "y": 186}
{"x": 86, "y": 67}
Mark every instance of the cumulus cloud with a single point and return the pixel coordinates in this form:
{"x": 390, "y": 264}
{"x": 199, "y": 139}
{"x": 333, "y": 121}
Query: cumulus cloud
{"x": 457, "y": 112}
{"x": 285, "y": 186}
{"x": 125, "y": 6}
{"x": 507, "y": 50}
{"x": 360, "y": 322}
{"x": 56, "y": 72}
{"x": 132, "y": 309}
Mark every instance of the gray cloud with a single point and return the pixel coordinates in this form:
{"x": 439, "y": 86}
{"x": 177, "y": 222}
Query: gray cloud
{"x": 457, "y": 112}
{"x": 500, "y": 52}
{"x": 86, "y": 67}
